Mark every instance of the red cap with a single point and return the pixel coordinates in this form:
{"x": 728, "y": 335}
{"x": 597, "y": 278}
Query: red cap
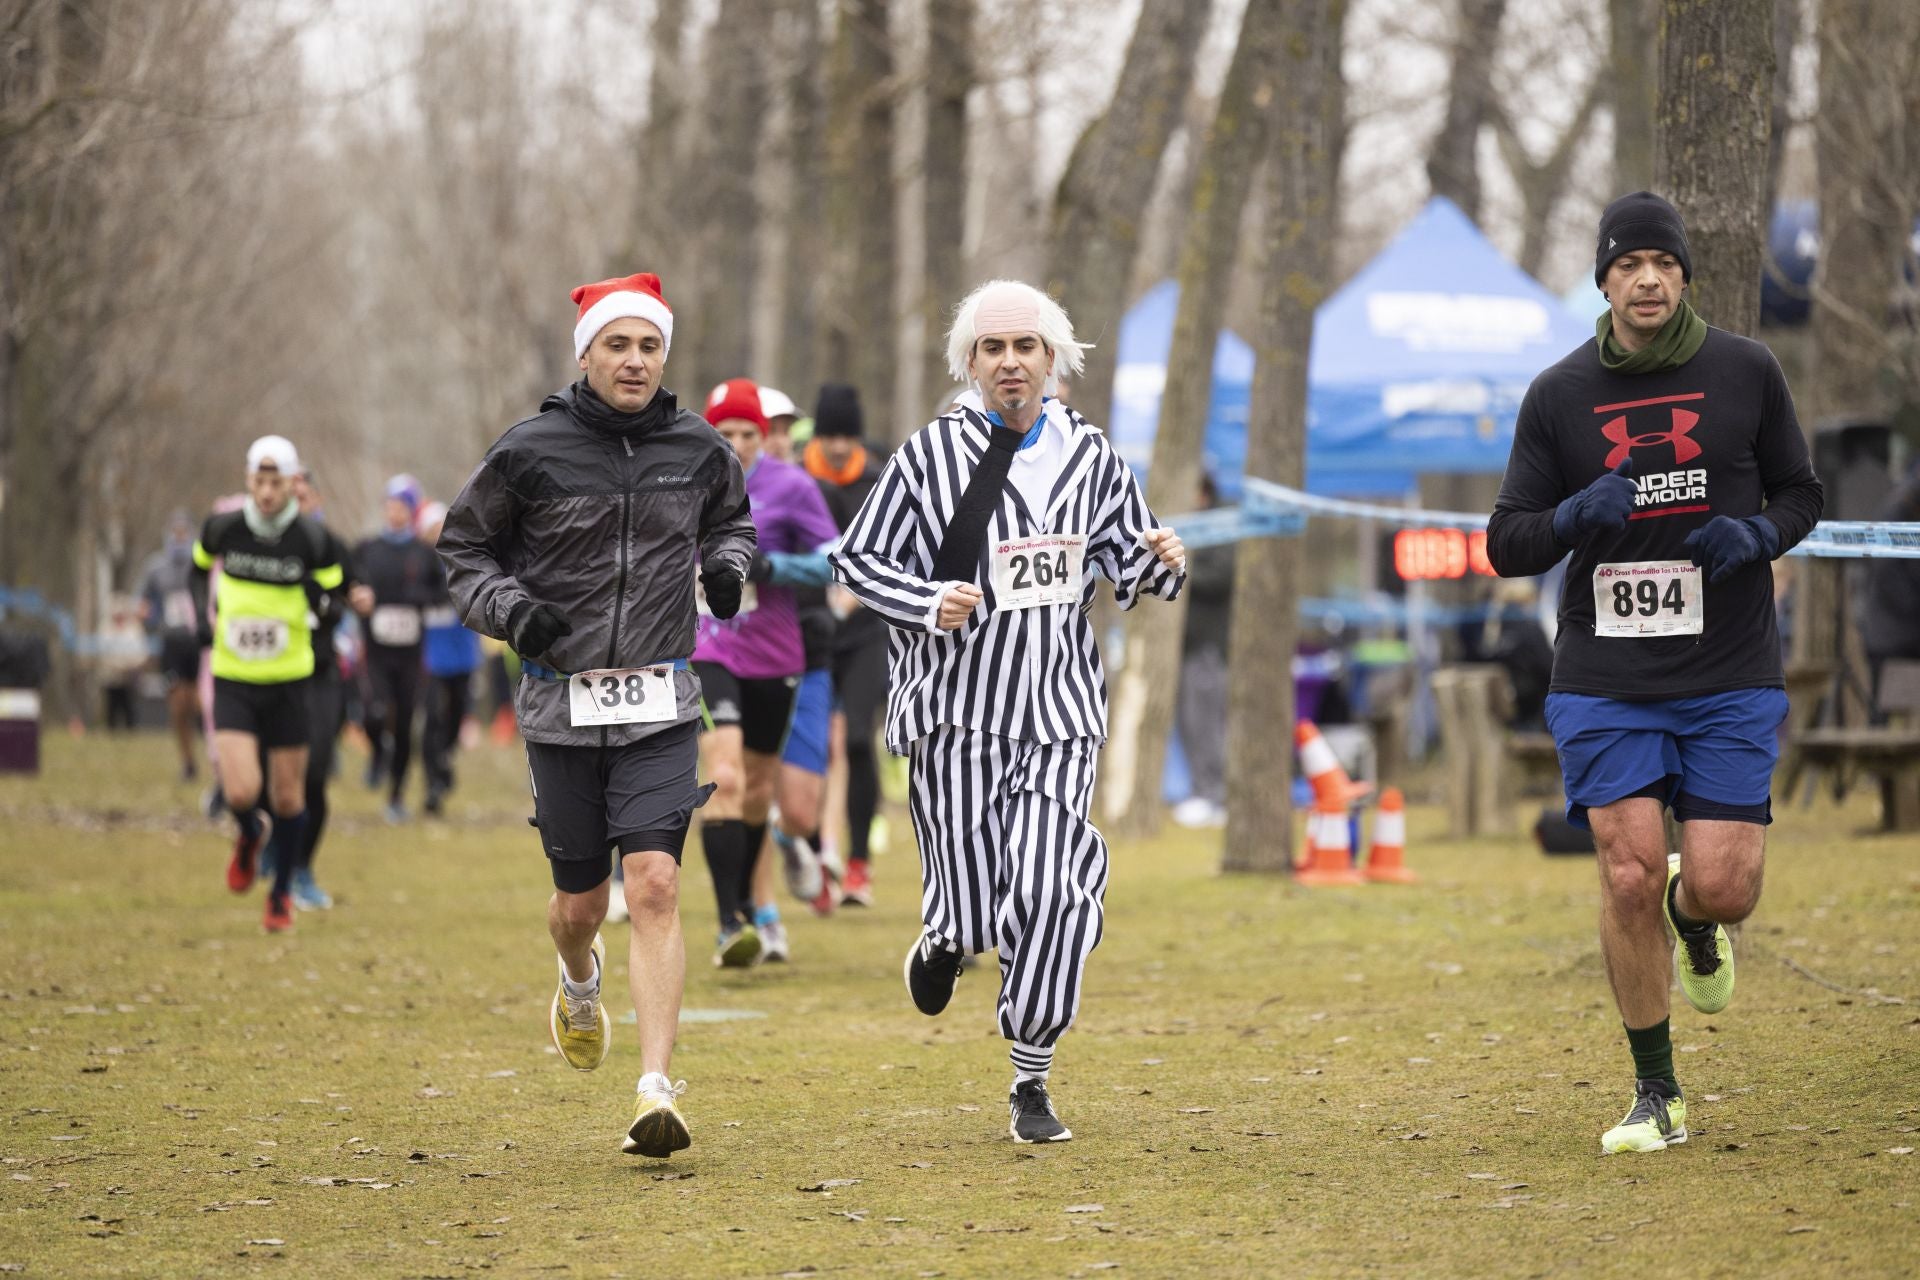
{"x": 736, "y": 398}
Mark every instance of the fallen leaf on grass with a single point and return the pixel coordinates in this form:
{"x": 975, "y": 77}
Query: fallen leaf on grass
{"x": 1794, "y": 1231}
{"x": 1899, "y": 1151}
{"x": 1197, "y": 1111}
{"x": 1086, "y": 1208}
{"x": 431, "y": 1092}
{"x": 502, "y": 1075}
{"x": 270, "y": 1241}
{"x": 673, "y": 1175}
{"x": 830, "y": 1183}
{"x": 967, "y": 1107}
{"x": 852, "y": 1215}
{"x": 917, "y": 1164}
{"x": 1418, "y": 1135}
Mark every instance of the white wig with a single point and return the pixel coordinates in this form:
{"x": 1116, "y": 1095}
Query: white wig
{"x": 1011, "y": 302}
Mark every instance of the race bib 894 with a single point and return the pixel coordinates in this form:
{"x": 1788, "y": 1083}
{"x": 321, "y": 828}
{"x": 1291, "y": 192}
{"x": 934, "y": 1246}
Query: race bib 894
{"x": 1647, "y": 598}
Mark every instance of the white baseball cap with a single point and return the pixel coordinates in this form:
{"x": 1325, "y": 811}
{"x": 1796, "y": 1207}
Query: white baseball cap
{"x": 777, "y": 404}
{"x": 277, "y": 450}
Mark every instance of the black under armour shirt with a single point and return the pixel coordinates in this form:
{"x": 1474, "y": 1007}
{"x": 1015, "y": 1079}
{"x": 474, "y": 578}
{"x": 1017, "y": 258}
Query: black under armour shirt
{"x": 1715, "y": 437}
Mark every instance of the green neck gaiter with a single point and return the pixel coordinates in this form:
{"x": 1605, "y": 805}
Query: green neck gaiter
{"x": 1677, "y": 342}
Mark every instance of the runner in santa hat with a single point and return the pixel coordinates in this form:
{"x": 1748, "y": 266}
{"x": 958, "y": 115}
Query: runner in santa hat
{"x": 576, "y": 540}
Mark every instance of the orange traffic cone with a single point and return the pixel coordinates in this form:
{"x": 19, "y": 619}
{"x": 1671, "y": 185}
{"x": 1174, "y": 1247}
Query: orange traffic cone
{"x": 1331, "y": 786}
{"x": 1329, "y": 852}
{"x": 1386, "y": 859}
{"x": 505, "y": 727}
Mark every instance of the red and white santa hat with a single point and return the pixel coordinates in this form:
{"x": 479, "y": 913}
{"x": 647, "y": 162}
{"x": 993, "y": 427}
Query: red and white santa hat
{"x": 603, "y": 302}
{"x": 736, "y": 398}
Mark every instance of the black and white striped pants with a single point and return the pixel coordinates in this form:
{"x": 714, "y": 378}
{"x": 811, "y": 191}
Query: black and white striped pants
{"x": 1009, "y": 860}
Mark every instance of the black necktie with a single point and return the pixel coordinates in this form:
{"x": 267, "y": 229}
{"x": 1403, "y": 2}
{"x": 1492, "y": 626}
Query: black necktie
{"x": 966, "y": 536}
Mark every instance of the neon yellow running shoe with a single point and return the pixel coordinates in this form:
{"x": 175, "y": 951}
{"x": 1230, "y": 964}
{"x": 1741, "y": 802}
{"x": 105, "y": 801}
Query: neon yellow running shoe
{"x": 658, "y": 1128}
{"x": 1702, "y": 961}
{"x": 582, "y": 1030}
{"x": 1657, "y": 1121}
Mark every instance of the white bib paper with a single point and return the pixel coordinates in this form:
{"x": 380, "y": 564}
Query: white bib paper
{"x": 629, "y": 695}
{"x": 1043, "y": 569}
{"x": 1647, "y": 598}
{"x": 395, "y": 624}
{"x": 256, "y": 639}
{"x": 176, "y": 611}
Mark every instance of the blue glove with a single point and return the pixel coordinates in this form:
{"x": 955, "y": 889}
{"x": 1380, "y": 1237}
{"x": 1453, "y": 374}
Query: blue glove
{"x": 1724, "y": 544}
{"x": 1601, "y": 507}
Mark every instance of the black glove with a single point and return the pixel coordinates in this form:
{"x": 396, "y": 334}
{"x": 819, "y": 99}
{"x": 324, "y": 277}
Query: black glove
{"x": 1601, "y": 507}
{"x": 722, "y": 586}
{"x": 761, "y": 569}
{"x": 1724, "y": 544}
{"x": 534, "y": 627}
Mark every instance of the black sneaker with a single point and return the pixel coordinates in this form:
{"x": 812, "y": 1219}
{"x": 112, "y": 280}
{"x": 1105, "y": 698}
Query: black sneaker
{"x": 931, "y": 971}
{"x": 1033, "y": 1119}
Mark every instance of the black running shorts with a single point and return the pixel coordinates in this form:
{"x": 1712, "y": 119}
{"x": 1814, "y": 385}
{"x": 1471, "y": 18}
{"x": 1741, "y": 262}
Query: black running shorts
{"x": 179, "y": 657}
{"x": 761, "y": 709}
{"x": 589, "y": 801}
{"x": 275, "y": 714}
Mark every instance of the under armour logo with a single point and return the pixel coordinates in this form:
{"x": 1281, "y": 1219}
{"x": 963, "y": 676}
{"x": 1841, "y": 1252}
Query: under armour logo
{"x": 1684, "y": 450}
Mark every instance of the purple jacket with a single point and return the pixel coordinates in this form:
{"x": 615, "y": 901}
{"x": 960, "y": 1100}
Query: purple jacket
{"x": 790, "y": 516}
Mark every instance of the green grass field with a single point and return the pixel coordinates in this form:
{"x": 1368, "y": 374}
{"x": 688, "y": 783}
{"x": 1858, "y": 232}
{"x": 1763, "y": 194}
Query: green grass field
{"x": 1264, "y": 1081}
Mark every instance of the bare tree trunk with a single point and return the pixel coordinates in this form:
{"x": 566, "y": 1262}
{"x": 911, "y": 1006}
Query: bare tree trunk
{"x": 1301, "y": 194}
{"x": 1453, "y": 165}
{"x": 944, "y": 177}
{"x": 1543, "y": 182}
{"x": 1633, "y": 64}
{"x": 659, "y": 243}
{"x": 1786, "y": 32}
{"x": 860, "y": 324}
{"x": 1715, "y": 123}
{"x": 1103, "y": 195}
{"x": 799, "y": 344}
{"x": 720, "y": 337}
{"x": 1235, "y": 145}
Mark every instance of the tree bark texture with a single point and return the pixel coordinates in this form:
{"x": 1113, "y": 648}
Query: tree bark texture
{"x": 944, "y": 183}
{"x": 1101, "y": 201}
{"x": 1633, "y": 70}
{"x": 799, "y": 297}
{"x": 1453, "y": 164}
{"x": 1301, "y": 195}
{"x": 1235, "y": 144}
{"x": 726, "y": 232}
{"x": 658, "y": 242}
{"x": 1869, "y": 192}
{"x": 1715, "y": 125}
{"x": 859, "y": 325}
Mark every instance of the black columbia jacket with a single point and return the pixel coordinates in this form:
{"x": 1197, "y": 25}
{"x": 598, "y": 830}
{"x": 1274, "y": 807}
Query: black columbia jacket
{"x": 598, "y": 514}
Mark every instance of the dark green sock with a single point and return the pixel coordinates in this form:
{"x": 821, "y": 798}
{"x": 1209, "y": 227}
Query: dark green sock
{"x": 1653, "y": 1053}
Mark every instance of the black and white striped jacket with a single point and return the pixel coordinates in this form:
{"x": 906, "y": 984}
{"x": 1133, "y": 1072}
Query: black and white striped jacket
{"x": 1030, "y": 674}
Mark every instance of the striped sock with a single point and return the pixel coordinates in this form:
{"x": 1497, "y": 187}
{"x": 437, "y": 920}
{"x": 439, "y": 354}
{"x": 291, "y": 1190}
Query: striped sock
{"x": 1030, "y": 1062}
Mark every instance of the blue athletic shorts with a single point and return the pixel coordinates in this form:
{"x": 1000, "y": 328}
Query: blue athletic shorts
{"x": 1708, "y": 757}
{"x": 806, "y": 746}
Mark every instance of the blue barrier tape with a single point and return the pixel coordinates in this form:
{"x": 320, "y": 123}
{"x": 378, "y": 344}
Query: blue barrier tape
{"x": 1274, "y": 509}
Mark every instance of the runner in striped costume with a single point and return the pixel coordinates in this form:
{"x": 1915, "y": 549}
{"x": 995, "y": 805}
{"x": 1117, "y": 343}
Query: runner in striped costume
{"x": 980, "y": 547}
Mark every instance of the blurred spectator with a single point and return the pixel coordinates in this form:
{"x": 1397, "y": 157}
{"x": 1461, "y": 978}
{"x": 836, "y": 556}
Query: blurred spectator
{"x": 166, "y": 611}
{"x": 1890, "y": 615}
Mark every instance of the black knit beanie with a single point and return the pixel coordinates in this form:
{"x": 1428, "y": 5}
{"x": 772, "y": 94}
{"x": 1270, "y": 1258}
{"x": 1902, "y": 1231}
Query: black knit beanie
{"x": 838, "y": 412}
{"x": 1640, "y": 221}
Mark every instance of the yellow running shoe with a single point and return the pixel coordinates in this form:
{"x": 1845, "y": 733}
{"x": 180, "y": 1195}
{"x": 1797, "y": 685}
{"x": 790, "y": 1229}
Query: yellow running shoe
{"x": 582, "y": 1030}
{"x": 1657, "y": 1121}
{"x": 658, "y": 1128}
{"x": 1703, "y": 961}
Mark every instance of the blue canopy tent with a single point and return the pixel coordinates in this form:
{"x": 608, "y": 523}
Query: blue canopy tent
{"x": 1418, "y": 364}
{"x": 1420, "y": 361}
